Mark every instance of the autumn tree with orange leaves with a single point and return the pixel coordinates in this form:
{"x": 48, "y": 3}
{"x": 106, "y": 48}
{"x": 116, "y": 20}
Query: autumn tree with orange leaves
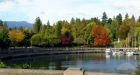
{"x": 100, "y": 36}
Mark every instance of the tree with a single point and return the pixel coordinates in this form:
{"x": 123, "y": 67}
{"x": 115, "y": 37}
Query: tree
{"x": 124, "y": 29}
{"x": 43, "y": 28}
{"x": 79, "y": 41}
{"x": 104, "y": 18}
{"x": 28, "y": 34}
{"x": 66, "y": 37}
{"x": 126, "y": 16}
{"x": 100, "y": 36}
{"x": 113, "y": 28}
{"x": 137, "y": 32}
{"x": 109, "y": 21}
{"x": 119, "y": 19}
{"x": 132, "y": 29}
{"x": 49, "y": 34}
{"x": 72, "y": 22}
{"x": 4, "y": 41}
{"x": 37, "y": 25}
{"x": 48, "y": 24}
{"x": 75, "y": 27}
{"x": 137, "y": 36}
{"x": 88, "y": 34}
{"x": 65, "y": 27}
{"x": 38, "y": 40}
{"x": 79, "y": 28}
{"x": 58, "y": 28}
{"x": 47, "y": 38}
{"x": 96, "y": 20}
{"x": 16, "y": 36}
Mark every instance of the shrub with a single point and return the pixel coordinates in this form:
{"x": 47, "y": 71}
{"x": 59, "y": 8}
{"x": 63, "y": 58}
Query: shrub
{"x": 2, "y": 65}
{"x": 23, "y": 66}
{"x": 137, "y": 72}
{"x": 26, "y": 66}
{"x": 36, "y": 40}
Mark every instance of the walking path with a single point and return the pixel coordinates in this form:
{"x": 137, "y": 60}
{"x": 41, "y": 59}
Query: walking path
{"x": 50, "y": 72}
{"x": 97, "y": 73}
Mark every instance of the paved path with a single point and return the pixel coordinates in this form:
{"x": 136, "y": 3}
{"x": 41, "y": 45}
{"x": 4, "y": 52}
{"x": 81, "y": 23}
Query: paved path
{"x": 97, "y": 73}
{"x": 29, "y": 72}
{"x": 49, "y": 72}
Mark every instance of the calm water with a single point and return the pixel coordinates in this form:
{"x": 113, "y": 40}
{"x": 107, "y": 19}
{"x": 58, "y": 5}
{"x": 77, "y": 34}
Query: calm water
{"x": 89, "y": 62}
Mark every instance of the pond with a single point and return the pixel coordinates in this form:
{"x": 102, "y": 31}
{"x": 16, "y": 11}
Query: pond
{"x": 94, "y": 62}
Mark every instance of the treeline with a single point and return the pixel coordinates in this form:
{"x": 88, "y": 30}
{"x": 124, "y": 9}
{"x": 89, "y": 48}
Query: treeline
{"x": 115, "y": 32}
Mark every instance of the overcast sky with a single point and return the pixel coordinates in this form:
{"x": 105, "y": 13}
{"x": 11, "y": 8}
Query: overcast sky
{"x": 54, "y": 10}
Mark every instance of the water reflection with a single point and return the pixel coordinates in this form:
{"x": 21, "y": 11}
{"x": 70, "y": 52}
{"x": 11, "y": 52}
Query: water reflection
{"x": 89, "y": 61}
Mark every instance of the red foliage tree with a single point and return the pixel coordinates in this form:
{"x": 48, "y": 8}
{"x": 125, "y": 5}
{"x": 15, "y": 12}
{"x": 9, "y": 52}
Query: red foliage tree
{"x": 100, "y": 36}
{"x": 66, "y": 38}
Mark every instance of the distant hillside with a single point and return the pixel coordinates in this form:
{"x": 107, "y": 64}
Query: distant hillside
{"x": 24, "y": 24}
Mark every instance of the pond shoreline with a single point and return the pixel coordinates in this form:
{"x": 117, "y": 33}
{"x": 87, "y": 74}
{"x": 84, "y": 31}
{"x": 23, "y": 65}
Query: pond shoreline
{"x": 24, "y": 52}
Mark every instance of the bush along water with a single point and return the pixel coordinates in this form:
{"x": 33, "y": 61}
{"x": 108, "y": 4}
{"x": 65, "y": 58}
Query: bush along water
{"x": 2, "y": 65}
{"x": 137, "y": 72}
{"x": 23, "y": 66}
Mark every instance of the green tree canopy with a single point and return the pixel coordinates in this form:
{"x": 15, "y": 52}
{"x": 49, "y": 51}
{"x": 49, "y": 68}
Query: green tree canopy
{"x": 37, "y": 25}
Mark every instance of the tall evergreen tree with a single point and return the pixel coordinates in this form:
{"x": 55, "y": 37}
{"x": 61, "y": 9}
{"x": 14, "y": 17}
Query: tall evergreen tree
{"x": 109, "y": 21}
{"x": 96, "y": 20}
{"x": 132, "y": 28}
{"x": 126, "y": 16}
{"x": 48, "y": 24}
{"x": 72, "y": 21}
{"x": 119, "y": 19}
{"x": 133, "y": 18}
{"x": 37, "y": 25}
{"x": 104, "y": 18}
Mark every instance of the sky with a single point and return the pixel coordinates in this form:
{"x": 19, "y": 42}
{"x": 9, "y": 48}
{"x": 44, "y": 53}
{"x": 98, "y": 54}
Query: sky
{"x": 54, "y": 10}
